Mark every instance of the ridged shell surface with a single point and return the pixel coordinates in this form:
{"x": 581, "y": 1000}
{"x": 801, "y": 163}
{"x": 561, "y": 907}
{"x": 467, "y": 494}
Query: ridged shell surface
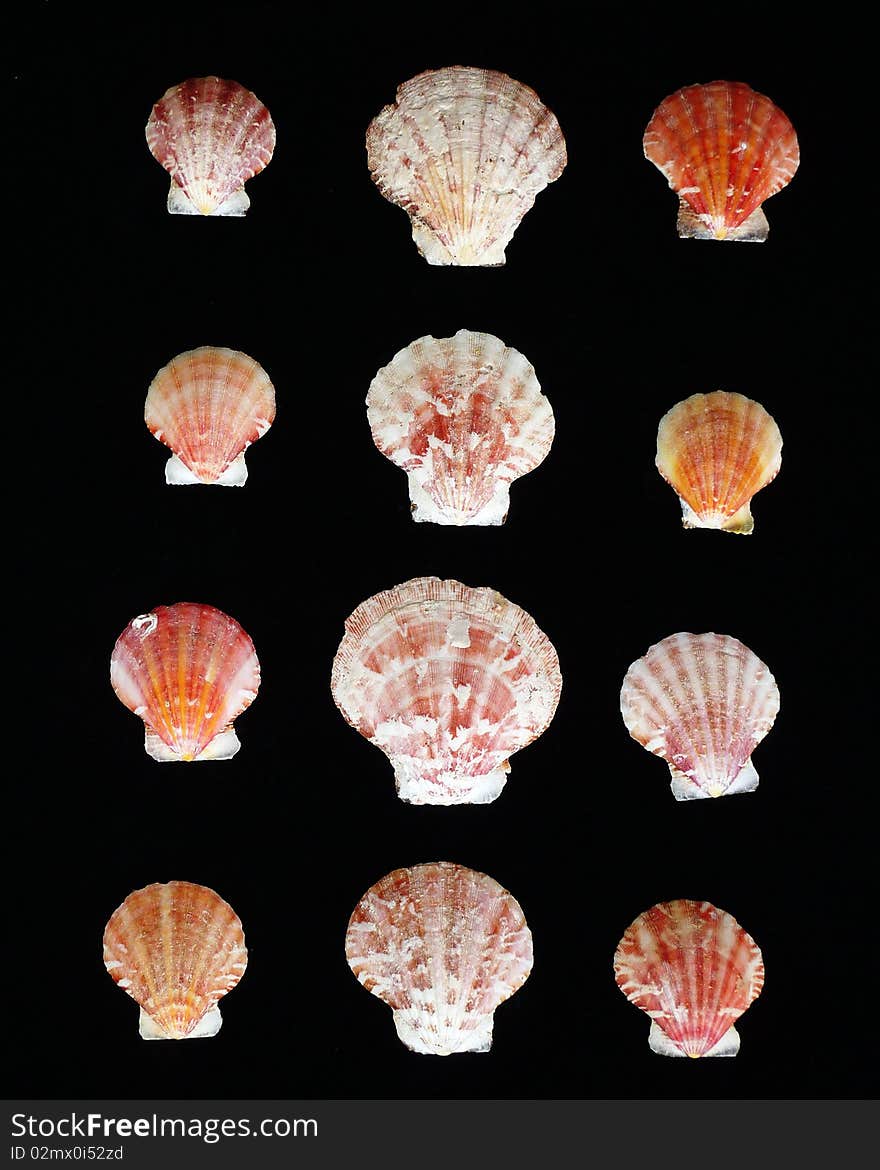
{"x": 702, "y": 702}
{"x": 464, "y": 152}
{"x": 694, "y": 971}
{"x": 188, "y": 670}
{"x": 176, "y": 949}
{"x": 724, "y": 149}
{"x": 211, "y": 136}
{"x": 717, "y": 450}
{"x": 463, "y": 416}
{"x": 208, "y": 405}
{"x": 449, "y": 682}
{"x": 443, "y": 945}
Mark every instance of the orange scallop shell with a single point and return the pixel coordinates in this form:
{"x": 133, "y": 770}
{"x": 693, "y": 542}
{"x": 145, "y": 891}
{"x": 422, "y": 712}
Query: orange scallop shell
{"x": 176, "y": 949}
{"x": 724, "y": 149}
{"x": 717, "y": 450}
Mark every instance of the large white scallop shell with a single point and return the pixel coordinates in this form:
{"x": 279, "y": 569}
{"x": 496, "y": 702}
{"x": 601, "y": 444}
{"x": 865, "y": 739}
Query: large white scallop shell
{"x": 464, "y": 152}
{"x": 702, "y": 702}
{"x": 463, "y": 416}
{"x": 443, "y": 945}
{"x": 449, "y": 682}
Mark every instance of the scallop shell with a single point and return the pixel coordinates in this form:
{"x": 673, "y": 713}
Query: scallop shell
{"x": 717, "y": 450}
{"x": 694, "y": 970}
{"x": 443, "y": 946}
{"x": 463, "y": 416}
{"x": 702, "y": 702}
{"x": 464, "y": 152}
{"x": 188, "y": 671}
{"x": 724, "y": 150}
{"x": 176, "y": 949}
{"x": 211, "y": 136}
{"x": 208, "y": 405}
{"x": 449, "y": 682}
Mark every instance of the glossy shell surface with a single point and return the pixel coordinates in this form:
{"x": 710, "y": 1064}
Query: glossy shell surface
{"x": 443, "y": 945}
{"x": 176, "y": 949}
{"x": 724, "y": 149}
{"x": 448, "y": 681}
{"x": 464, "y": 152}
{"x": 693, "y": 970}
{"x": 188, "y": 670}
{"x": 463, "y": 416}
{"x": 208, "y": 405}
{"x": 702, "y": 702}
{"x": 211, "y": 136}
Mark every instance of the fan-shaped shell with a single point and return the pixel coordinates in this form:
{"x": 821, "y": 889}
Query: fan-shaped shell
{"x": 717, "y": 450}
{"x": 724, "y": 150}
{"x": 443, "y": 945}
{"x": 449, "y": 682}
{"x": 208, "y": 405}
{"x": 694, "y": 971}
{"x": 176, "y": 949}
{"x": 211, "y": 136}
{"x": 188, "y": 671}
{"x": 464, "y": 152}
{"x": 702, "y": 702}
{"x": 463, "y": 416}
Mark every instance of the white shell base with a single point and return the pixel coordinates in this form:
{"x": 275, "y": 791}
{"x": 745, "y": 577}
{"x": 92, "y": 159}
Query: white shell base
{"x": 448, "y": 788}
{"x": 222, "y": 747}
{"x": 442, "y": 1041}
{"x": 208, "y": 1025}
{"x": 436, "y": 252}
{"x": 692, "y": 227}
{"x": 424, "y": 508}
{"x": 683, "y": 788}
{"x": 180, "y": 204}
{"x": 177, "y": 472}
{"x": 741, "y": 522}
{"x": 660, "y": 1043}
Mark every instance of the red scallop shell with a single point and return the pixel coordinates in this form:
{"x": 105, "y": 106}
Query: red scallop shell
{"x": 724, "y": 149}
{"x": 188, "y": 670}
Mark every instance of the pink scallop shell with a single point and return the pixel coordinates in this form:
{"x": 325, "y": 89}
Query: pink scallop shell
{"x": 443, "y": 946}
{"x": 702, "y": 702}
{"x": 211, "y": 136}
{"x": 694, "y": 971}
{"x": 208, "y": 405}
{"x": 464, "y": 416}
{"x": 188, "y": 671}
{"x": 464, "y": 152}
{"x": 449, "y": 682}
{"x": 176, "y": 949}
{"x": 724, "y": 150}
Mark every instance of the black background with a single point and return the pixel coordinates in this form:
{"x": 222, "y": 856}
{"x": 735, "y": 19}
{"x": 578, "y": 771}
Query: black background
{"x": 321, "y": 283}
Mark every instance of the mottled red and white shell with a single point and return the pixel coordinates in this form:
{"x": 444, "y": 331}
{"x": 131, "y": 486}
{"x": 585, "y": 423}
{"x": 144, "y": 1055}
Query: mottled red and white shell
{"x": 176, "y": 949}
{"x": 188, "y": 670}
{"x": 702, "y": 702}
{"x": 211, "y": 136}
{"x": 693, "y": 970}
{"x": 463, "y": 416}
{"x": 449, "y": 682}
{"x": 724, "y": 150}
{"x": 717, "y": 451}
{"x": 464, "y": 152}
{"x": 208, "y": 405}
{"x": 443, "y": 945}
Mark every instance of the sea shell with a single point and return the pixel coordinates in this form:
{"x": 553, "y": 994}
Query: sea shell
{"x": 189, "y": 671}
{"x": 694, "y": 970}
{"x": 449, "y": 682}
{"x": 724, "y": 149}
{"x": 176, "y": 949}
{"x": 702, "y": 702}
{"x": 717, "y": 450}
{"x": 211, "y": 136}
{"x": 463, "y": 416}
{"x": 464, "y": 152}
{"x": 443, "y": 946}
{"x": 208, "y": 405}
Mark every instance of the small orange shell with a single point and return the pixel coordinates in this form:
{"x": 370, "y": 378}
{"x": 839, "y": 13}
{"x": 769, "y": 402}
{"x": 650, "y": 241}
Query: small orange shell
{"x": 176, "y": 949}
{"x": 724, "y": 150}
{"x": 717, "y": 450}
